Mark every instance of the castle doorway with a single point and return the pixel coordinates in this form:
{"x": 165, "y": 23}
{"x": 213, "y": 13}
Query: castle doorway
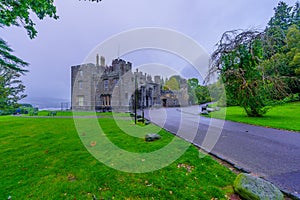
{"x": 164, "y": 102}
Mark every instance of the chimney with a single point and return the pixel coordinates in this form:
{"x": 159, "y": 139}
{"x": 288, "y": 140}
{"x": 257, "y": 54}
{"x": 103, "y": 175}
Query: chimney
{"x": 97, "y": 60}
{"x": 102, "y": 61}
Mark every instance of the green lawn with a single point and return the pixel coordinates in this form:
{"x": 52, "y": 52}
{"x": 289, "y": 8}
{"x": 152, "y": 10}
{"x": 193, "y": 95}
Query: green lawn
{"x": 77, "y": 113}
{"x": 44, "y": 158}
{"x": 286, "y": 116}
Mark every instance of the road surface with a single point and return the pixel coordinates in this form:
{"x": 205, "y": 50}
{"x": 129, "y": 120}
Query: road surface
{"x": 270, "y": 153}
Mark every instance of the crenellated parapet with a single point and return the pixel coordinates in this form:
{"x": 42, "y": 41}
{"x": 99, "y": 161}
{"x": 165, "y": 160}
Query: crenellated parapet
{"x": 101, "y": 87}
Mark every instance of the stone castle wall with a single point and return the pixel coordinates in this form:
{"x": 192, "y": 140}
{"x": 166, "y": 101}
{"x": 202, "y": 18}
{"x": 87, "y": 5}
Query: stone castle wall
{"x": 103, "y": 88}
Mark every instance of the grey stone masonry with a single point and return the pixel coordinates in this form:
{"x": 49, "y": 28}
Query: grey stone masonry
{"x": 104, "y": 88}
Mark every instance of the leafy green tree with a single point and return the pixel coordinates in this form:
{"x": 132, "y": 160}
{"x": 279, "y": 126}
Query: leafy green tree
{"x": 238, "y": 59}
{"x": 18, "y": 13}
{"x": 198, "y": 93}
{"x": 287, "y": 63}
{"x": 296, "y": 14}
{"x": 9, "y": 61}
{"x": 93, "y": 0}
{"x": 276, "y": 31}
{"x": 216, "y": 91}
{"x": 293, "y": 45}
{"x": 172, "y": 84}
{"x": 11, "y": 89}
{"x": 259, "y": 68}
{"x": 202, "y": 94}
{"x": 282, "y": 17}
{"x": 192, "y": 85}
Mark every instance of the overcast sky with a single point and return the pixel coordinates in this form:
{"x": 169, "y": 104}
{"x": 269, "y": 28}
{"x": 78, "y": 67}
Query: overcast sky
{"x": 83, "y": 25}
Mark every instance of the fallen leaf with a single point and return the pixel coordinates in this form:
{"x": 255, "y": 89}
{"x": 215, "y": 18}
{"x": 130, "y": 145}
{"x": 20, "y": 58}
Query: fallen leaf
{"x": 93, "y": 143}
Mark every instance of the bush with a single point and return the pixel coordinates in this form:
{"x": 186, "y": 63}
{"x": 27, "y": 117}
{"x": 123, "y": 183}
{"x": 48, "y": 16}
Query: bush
{"x": 291, "y": 98}
{"x": 6, "y": 112}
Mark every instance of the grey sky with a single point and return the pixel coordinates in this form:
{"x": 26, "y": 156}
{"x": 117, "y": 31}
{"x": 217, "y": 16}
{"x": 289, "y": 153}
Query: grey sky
{"x": 83, "y": 25}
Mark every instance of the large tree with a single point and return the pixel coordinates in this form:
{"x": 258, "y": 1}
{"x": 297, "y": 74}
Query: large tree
{"x": 172, "y": 84}
{"x": 238, "y": 60}
{"x": 281, "y": 45}
{"x": 276, "y": 31}
{"x": 192, "y": 85}
{"x": 18, "y": 13}
{"x": 260, "y": 67}
{"x": 287, "y": 63}
{"x": 11, "y": 89}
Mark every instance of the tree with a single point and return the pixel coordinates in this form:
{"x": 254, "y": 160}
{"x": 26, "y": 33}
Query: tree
{"x": 296, "y": 14}
{"x": 17, "y": 13}
{"x": 172, "y": 84}
{"x": 287, "y": 62}
{"x": 216, "y": 91}
{"x": 11, "y": 89}
{"x": 259, "y": 68}
{"x": 282, "y": 17}
{"x": 199, "y": 93}
{"x": 93, "y": 0}
{"x": 192, "y": 85}
{"x": 278, "y": 26}
{"x": 238, "y": 59}
{"x": 282, "y": 46}
{"x": 9, "y": 61}
{"x": 202, "y": 94}
{"x": 293, "y": 45}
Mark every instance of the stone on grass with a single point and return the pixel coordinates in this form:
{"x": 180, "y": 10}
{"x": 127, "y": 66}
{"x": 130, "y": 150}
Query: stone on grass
{"x": 254, "y": 188}
{"x": 141, "y": 120}
{"x": 152, "y": 137}
{"x": 205, "y": 112}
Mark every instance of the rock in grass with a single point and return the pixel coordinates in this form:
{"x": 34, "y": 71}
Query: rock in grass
{"x": 141, "y": 120}
{"x": 152, "y": 137}
{"x": 254, "y": 188}
{"x": 205, "y": 112}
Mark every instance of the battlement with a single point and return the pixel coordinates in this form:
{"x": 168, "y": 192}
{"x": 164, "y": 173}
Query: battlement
{"x": 118, "y": 66}
{"x": 101, "y": 87}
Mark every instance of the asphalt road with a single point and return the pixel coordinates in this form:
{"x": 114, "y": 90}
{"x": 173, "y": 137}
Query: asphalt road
{"x": 269, "y": 153}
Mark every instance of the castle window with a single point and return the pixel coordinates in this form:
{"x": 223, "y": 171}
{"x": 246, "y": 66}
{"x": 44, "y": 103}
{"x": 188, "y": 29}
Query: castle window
{"x": 80, "y": 84}
{"x": 80, "y": 100}
{"x": 80, "y": 72}
{"x": 116, "y": 81}
{"x": 105, "y": 84}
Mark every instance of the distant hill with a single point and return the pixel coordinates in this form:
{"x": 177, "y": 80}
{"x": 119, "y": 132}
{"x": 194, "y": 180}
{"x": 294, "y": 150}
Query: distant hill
{"x": 46, "y": 102}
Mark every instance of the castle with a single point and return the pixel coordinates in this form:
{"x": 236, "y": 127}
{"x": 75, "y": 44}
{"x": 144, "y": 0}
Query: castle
{"x": 104, "y": 88}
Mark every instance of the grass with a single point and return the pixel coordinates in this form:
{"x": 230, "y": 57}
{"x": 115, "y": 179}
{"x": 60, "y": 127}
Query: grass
{"x": 286, "y": 116}
{"x": 44, "y": 158}
{"x": 78, "y": 113}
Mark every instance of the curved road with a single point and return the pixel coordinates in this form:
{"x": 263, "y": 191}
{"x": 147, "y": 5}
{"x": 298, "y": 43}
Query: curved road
{"x": 270, "y": 153}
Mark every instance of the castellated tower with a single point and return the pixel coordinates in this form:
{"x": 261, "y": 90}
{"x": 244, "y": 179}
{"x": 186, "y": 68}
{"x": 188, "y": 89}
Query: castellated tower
{"x": 104, "y": 88}
{"x": 101, "y": 87}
